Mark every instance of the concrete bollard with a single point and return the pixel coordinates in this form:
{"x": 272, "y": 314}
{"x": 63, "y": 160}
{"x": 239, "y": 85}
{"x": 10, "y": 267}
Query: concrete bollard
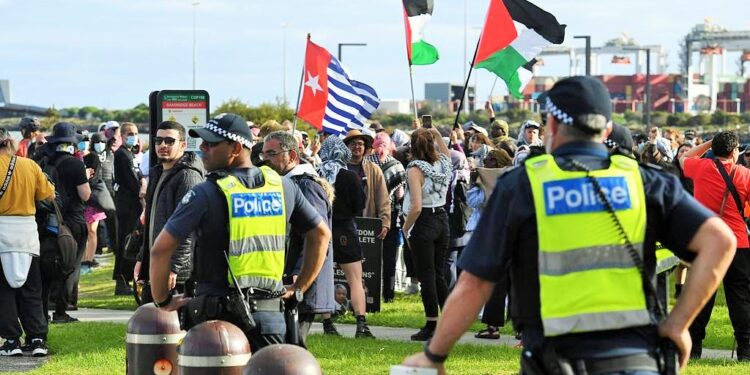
{"x": 283, "y": 359}
{"x": 213, "y": 347}
{"x": 151, "y": 341}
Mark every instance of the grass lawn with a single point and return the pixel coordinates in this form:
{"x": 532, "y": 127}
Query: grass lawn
{"x": 99, "y": 348}
{"x": 97, "y": 291}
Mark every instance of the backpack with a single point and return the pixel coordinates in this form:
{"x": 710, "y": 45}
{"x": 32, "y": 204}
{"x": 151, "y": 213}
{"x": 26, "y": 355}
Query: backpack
{"x": 458, "y": 215}
{"x": 58, "y": 253}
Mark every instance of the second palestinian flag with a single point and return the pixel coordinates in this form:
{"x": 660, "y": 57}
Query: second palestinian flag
{"x": 514, "y": 33}
{"x": 416, "y": 14}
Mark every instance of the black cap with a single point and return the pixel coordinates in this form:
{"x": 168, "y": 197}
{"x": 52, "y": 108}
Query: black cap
{"x": 226, "y": 126}
{"x": 64, "y": 132}
{"x": 29, "y": 123}
{"x": 620, "y": 138}
{"x": 576, "y": 96}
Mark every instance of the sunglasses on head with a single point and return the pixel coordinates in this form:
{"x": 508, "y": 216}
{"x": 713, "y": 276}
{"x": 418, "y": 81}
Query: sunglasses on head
{"x": 169, "y": 141}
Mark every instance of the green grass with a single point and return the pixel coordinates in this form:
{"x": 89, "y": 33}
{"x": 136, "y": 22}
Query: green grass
{"x": 99, "y": 348}
{"x": 97, "y": 291}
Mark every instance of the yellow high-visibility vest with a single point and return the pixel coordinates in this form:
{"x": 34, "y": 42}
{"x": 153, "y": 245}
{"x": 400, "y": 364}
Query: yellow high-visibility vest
{"x": 587, "y": 279}
{"x": 257, "y": 231}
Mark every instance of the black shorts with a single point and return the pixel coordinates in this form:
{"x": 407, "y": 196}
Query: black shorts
{"x": 346, "y": 247}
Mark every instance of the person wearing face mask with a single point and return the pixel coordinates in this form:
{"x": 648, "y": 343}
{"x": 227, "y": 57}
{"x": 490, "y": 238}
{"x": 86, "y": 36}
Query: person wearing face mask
{"x": 93, "y": 160}
{"x": 71, "y": 184}
{"x": 128, "y": 184}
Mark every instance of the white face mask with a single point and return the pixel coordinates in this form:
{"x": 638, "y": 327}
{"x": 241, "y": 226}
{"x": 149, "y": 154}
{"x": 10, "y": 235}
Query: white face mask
{"x": 65, "y": 147}
{"x": 99, "y": 147}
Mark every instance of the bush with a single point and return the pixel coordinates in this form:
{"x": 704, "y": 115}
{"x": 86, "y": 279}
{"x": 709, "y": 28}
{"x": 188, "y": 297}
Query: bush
{"x": 700, "y": 120}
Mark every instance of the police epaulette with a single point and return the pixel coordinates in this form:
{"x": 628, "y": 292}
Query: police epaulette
{"x": 652, "y": 166}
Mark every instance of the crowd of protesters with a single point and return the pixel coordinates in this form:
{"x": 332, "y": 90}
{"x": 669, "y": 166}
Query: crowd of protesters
{"x": 427, "y": 186}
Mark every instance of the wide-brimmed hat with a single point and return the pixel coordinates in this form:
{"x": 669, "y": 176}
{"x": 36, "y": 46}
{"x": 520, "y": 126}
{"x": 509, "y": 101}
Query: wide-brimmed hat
{"x": 64, "y": 132}
{"x": 356, "y": 134}
{"x": 225, "y": 127}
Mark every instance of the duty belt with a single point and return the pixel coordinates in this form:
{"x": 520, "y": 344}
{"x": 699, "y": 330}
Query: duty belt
{"x": 635, "y": 362}
{"x": 265, "y": 305}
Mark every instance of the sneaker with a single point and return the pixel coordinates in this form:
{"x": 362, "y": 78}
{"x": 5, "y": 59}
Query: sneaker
{"x": 413, "y": 288}
{"x": 11, "y": 348}
{"x": 94, "y": 264}
{"x": 424, "y": 334}
{"x": 38, "y": 348}
{"x": 123, "y": 288}
{"x": 330, "y": 329}
{"x": 62, "y": 318}
{"x": 363, "y": 332}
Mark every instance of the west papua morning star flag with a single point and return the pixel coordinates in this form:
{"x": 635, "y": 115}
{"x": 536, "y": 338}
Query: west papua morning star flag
{"x": 416, "y": 14}
{"x": 514, "y": 33}
{"x": 331, "y": 100}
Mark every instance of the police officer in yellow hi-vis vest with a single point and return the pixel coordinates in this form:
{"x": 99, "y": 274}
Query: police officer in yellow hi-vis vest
{"x": 578, "y": 295}
{"x": 240, "y": 218}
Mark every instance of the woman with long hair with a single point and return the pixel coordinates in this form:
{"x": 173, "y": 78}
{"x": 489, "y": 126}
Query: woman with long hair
{"x": 348, "y": 204}
{"x": 426, "y": 224}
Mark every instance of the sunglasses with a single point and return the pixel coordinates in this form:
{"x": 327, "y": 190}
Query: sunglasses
{"x": 169, "y": 141}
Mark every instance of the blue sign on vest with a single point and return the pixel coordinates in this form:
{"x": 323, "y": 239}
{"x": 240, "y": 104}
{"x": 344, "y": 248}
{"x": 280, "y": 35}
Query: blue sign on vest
{"x": 256, "y": 204}
{"x": 578, "y": 195}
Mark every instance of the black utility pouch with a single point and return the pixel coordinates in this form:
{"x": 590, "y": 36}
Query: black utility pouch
{"x": 239, "y": 309}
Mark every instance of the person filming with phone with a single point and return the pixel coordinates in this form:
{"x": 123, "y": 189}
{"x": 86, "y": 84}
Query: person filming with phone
{"x": 579, "y": 228}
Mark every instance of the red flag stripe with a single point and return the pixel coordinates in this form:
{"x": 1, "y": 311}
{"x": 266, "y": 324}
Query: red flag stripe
{"x": 312, "y": 108}
{"x": 499, "y": 31}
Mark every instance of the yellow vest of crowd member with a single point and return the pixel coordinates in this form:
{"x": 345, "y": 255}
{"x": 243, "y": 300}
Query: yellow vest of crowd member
{"x": 587, "y": 279}
{"x": 257, "y": 231}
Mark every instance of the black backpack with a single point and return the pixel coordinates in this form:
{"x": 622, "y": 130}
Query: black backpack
{"x": 459, "y": 212}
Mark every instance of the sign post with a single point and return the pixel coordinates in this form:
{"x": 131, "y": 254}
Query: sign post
{"x": 190, "y": 108}
{"x": 372, "y": 262}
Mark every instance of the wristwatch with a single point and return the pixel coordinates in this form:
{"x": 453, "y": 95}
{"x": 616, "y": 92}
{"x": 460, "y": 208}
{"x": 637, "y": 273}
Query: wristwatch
{"x": 298, "y": 295}
{"x": 165, "y": 302}
{"x": 434, "y": 358}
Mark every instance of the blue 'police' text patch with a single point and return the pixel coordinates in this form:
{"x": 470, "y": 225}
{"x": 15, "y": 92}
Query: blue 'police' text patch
{"x": 578, "y": 195}
{"x": 256, "y": 204}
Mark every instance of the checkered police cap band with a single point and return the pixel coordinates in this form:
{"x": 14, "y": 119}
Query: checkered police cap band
{"x": 558, "y": 113}
{"x": 610, "y": 143}
{"x": 212, "y": 126}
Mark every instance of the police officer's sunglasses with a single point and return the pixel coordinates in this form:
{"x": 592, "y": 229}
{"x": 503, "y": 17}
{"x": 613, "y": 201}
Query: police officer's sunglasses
{"x": 169, "y": 141}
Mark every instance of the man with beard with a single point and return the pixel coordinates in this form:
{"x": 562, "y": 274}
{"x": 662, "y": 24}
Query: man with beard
{"x": 177, "y": 172}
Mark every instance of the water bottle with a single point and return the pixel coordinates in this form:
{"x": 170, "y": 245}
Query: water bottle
{"x": 52, "y": 223}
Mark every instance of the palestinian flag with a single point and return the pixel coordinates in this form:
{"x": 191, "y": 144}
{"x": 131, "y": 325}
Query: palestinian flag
{"x": 416, "y": 15}
{"x": 514, "y": 33}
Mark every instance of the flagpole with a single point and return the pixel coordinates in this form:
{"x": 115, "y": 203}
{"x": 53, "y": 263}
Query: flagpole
{"x": 299, "y": 90}
{"x": 466, "y": 85}
{"x": 413, "y": 99}
{"x": 493, "y": 88}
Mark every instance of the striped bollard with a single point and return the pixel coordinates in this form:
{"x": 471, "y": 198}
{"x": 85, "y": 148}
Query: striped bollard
{"x": 213, "y": 347}
{"x": 151, "y": 341}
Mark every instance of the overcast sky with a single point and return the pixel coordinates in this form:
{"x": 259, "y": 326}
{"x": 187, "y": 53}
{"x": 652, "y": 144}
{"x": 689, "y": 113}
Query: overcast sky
{"x": 113, "y": 53}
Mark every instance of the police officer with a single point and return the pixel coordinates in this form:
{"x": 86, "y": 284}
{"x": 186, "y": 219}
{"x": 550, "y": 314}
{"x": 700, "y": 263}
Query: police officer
{"x": 239, "y": 218}
{"x": 579, "y": 299}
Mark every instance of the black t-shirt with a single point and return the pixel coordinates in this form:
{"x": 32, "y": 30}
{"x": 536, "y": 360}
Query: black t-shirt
{"x": 506, "y": 240}
{"x": 203, "y": 211}
{"x": 71, "y": 173}
{"x": 360, "y": 172}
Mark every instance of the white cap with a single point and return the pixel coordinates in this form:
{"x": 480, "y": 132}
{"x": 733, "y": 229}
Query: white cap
{"x": 111, "y": 125}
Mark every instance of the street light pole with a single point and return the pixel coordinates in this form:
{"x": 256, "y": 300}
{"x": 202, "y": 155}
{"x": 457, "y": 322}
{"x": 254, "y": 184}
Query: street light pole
{"x": 283, "y": 61}
{"x": 588, "y": 52}
{"x": 349, "y": 44}
{"x": 195, "y": 11}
